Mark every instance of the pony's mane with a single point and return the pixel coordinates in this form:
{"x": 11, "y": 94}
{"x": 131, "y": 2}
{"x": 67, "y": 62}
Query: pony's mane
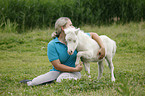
{"x": 69, "y": 30}
{"x": 82, "y": 31}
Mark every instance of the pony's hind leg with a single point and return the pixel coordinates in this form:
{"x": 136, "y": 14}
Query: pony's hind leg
{"x": 100, "y": 69}
{"x": 110, "y": 64}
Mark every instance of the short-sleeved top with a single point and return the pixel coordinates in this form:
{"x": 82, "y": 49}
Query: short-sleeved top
{"x": 57, "y": 50}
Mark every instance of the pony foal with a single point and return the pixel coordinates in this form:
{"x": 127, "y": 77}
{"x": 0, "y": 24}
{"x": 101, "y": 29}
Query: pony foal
{"x": 88, "y": 48}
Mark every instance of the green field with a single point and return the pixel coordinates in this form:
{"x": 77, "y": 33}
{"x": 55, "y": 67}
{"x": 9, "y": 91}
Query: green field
{"x": 24, "y": 56}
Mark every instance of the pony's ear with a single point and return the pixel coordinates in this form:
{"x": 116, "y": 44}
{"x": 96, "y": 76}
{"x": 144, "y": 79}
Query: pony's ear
{"x": 65, "y": 31}
{"x": 77, "y": 30}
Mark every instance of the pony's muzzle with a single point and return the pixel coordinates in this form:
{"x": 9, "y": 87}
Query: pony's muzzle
{"x": 70, "y": 52}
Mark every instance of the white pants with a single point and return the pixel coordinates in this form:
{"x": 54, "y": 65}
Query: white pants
{"x": 66, "y": 75}
{"x": 54, "y": 75}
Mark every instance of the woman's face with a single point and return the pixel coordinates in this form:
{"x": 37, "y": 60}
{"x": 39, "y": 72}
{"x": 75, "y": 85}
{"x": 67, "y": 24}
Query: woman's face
{"x": 69, "y": 24}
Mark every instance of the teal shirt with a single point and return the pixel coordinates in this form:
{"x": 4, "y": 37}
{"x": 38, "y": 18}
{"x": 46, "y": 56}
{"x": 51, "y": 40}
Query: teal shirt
{"x": 57, "y": 50}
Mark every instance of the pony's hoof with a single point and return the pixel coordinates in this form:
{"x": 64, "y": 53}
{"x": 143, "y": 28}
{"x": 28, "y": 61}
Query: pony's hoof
{"x": 76, "y": 64}
{"x": 113, "y": 79}
{"x": 89, "y": 76}
{"x": 98, "y": 78}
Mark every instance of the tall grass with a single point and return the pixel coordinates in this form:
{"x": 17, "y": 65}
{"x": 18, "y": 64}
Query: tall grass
{"x": 29, "y": 14}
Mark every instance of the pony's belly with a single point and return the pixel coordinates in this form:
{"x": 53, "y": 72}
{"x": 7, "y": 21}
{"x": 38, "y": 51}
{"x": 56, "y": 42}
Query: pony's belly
{"x": 95, "y": 59}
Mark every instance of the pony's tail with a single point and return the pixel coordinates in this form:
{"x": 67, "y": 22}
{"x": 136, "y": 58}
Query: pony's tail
{"x": 113, "y": 51}
{"x": 114, "y": 48}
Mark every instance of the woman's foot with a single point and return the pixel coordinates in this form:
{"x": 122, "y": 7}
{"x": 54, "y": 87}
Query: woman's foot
{"x": 25, "y": 81}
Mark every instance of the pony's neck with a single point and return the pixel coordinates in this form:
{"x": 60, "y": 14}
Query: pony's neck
{"x": 80, "y": 35}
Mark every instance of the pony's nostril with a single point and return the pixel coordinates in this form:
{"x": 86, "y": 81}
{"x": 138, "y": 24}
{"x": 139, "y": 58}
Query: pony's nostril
{"x": 70, "y": 52}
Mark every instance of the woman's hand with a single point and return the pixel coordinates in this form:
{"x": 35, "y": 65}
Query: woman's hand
{"x": 79, "y": 67}
{"x": 101, "y": 53}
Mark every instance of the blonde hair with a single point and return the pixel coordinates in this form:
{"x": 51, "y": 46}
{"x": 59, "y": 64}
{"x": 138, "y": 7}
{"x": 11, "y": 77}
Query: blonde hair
{"x": 61, "y": 22}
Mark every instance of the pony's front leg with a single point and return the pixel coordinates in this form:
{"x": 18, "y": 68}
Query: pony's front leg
{"x": 84, "y": 54}
{"x": 87, "y": 69}
{"x": 79, "y": 55}
{"x": 100, "y": 69}
{"x": 78, "y": 59}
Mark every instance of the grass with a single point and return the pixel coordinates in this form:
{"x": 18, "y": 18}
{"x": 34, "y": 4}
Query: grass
{"x": 24, "y": 56}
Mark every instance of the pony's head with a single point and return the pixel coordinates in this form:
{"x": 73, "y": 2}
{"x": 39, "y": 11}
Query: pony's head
{"x": 71, "y": 39}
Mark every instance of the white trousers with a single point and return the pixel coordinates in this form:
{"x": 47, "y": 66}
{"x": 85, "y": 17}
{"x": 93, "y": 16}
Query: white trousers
{"x": 66, "y": 75}
{"x": 54, "y": 75}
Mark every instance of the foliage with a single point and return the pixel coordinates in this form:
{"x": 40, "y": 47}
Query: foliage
{"x": 27, "y": 14}
{"x": 24, "y": 56}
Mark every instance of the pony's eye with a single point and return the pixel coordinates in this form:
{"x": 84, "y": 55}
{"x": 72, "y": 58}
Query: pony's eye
{"x": 74, "y": 41}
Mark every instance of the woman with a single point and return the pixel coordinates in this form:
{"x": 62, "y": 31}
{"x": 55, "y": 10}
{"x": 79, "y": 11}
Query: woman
{"x": 63, "y": 63}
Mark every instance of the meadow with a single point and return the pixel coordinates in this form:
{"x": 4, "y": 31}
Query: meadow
{"x": 24, "y": 56}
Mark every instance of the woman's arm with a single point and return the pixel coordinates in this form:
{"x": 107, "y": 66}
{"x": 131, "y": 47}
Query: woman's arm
{"x": 96, "y": 37}
{"x": 61, "y": 67}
